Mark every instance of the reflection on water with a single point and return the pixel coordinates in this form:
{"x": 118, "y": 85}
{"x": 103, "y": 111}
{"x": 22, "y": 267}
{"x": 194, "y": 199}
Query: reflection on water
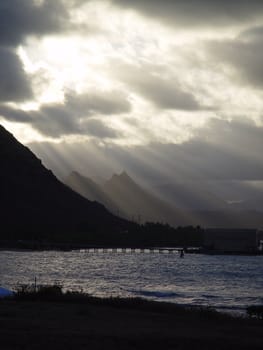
{"x": 231, "y": 282}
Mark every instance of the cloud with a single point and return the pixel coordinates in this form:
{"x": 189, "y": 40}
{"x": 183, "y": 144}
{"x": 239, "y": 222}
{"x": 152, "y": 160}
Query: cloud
{"x": 224, "y": 150}
{"x": 52, "y": 120}
{"x": 70, "y": 118}
{"x": 241, "y": 137}
{"x": 244, "y": 54}
{"x": 15, "y": 115}
{"x": 197, "y": 13}
{"x": 20, "y": 18}
{"x": 110, "y": 102}
{"x": 163, "y": 92}
{"x": 55, "y": 120}
{"x": 97, "y": 128}
{"x": 165, "y": 81}
{"x": 14, "y": 84}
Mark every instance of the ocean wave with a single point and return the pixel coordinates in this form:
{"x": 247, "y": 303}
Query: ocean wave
{"x": 209, "y": 296}
{"x": 155, "y": 293}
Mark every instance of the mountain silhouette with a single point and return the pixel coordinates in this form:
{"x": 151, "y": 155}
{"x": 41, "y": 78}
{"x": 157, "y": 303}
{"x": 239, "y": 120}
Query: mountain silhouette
{"x": 122, "y": 196}
{"x": 33, "y": 201}
{"x": 89, "y": 189}
{"x": 175, "y": 205}
{"x": 136, "y": 202}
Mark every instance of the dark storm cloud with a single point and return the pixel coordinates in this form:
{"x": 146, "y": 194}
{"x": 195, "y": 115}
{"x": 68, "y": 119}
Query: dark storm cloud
{"x": 14, "y": 84}
{"x": 20, "y": 18}
{"x": 15, "y": 115}
{"x": 70, "y": 118}
{"x": 98, "y": 129}
{"x": 254, "y": 33}
{"x": 203, "y": 13}
{"x": 52, "y": 120}
{"x": 165, "y": 93}
{"x": 244, "y": 54}
{"x": 55, "y": 120}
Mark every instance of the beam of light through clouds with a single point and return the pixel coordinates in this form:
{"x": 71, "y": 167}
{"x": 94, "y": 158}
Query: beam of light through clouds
{"x": 138, "y": 79}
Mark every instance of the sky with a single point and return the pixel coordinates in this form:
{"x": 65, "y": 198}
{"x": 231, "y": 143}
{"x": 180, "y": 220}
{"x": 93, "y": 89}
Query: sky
{"x": 164, "y": 89}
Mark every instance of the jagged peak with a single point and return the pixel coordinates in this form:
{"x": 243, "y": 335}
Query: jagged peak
{"x": 74, "y": 173}
{"x": 76, "y": 176}
{"x": 121, "y": 178}
{"x": 124, "y": 175}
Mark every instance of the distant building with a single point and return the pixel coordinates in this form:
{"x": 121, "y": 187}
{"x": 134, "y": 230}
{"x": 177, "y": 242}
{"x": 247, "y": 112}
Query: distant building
{"x": 260, "y": 240}
{"x": 231, "y": 240}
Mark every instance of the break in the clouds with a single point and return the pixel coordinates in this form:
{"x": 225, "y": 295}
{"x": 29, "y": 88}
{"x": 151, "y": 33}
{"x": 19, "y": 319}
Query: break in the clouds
{"x": 159, "y": 76}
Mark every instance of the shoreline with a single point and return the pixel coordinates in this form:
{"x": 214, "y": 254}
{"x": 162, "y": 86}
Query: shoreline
{"x": 233, "y": 311}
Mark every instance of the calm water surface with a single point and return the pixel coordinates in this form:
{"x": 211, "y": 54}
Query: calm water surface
{"x": 224, "y": 282}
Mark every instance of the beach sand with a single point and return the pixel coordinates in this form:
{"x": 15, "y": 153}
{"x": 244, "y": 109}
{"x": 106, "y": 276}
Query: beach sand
{"x": 73, "y": 325}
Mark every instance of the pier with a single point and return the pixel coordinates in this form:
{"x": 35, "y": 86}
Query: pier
{"x": 128, "y": 250}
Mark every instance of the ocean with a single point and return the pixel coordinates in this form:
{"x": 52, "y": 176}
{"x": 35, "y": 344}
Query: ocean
{"x": 227, "y": 283}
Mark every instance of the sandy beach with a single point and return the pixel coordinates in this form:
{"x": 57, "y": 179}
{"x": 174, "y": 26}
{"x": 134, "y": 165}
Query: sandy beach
{"x": 121, "y": 325}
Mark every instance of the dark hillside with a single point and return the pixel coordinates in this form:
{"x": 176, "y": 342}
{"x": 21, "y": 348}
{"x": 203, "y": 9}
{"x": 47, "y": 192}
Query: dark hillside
{"x": 34, "y": 201}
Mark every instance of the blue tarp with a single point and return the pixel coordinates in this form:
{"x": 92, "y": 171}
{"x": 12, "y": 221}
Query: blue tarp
{"x": 5, "y": 292}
